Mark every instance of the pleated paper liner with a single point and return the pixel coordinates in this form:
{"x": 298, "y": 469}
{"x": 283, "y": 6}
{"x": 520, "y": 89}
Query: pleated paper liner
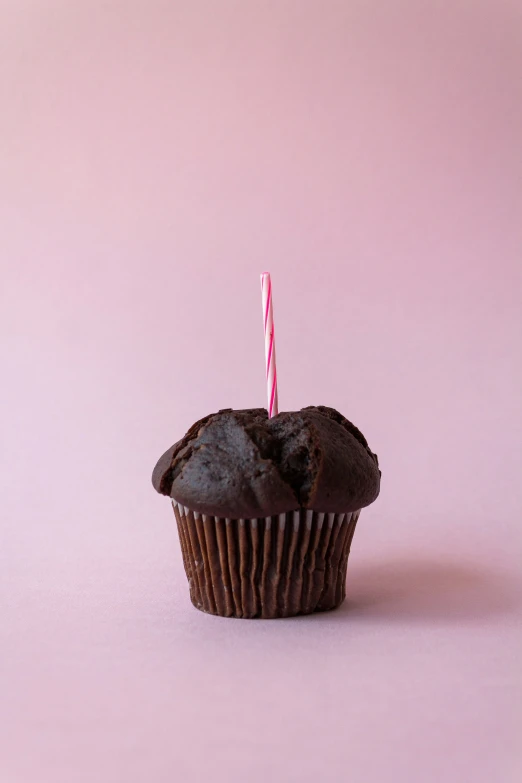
{"x": 278, "y": 566}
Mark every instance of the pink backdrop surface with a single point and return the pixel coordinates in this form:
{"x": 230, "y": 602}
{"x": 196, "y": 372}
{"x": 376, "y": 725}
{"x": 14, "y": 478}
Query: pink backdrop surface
{"x": 155, "y": 157}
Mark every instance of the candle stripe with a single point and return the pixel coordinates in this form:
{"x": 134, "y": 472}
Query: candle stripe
{"x": 268, "y": 300}
{"x": 269, "y": 354}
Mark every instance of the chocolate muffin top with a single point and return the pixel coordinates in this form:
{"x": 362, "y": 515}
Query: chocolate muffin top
{"x": 241, "y": 464}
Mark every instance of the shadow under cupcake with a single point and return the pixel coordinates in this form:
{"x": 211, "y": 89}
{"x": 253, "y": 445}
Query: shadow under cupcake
{"x": 266, "y": 508}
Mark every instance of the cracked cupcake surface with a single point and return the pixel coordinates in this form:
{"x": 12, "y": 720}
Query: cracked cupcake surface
{"x": 241, "y": 464}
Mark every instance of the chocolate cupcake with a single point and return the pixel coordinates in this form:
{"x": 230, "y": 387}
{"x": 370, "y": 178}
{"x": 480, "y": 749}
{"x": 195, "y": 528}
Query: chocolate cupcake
{"x": 266, "y": 508}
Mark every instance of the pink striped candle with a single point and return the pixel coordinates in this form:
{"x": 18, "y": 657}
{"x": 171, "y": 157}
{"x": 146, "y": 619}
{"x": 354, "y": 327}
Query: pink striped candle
{"x": 271, "y": 373}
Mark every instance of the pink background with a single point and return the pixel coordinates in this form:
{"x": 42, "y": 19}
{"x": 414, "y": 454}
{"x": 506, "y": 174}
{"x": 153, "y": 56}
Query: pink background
{"x": 155, "y": 157}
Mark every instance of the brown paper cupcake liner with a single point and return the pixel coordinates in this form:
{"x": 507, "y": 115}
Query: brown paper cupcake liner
{"x": 278, "y": 566}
